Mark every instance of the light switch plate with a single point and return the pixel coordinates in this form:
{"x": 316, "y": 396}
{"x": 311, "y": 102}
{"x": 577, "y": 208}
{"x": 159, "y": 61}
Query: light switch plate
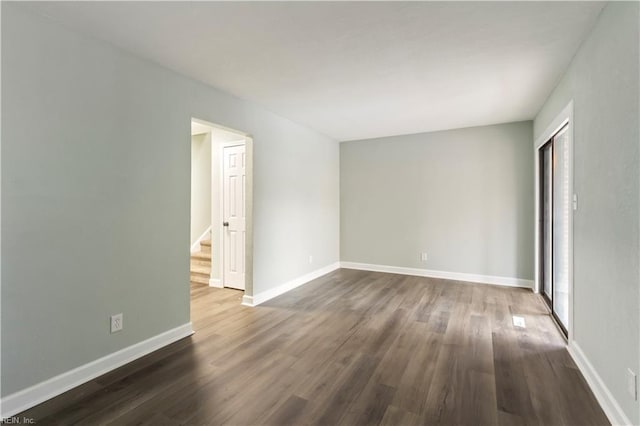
{"x": 116, "y": 323}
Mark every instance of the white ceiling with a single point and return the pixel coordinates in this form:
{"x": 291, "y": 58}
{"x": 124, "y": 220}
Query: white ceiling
{"x": 355, "y": 70}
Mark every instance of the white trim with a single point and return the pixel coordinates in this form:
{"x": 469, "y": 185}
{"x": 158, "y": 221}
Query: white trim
{"x": 220, "y": 127}
{"x": 38, "y": 393}
{"x": 457, "y": 276}
{"x": 288, "y": 286}
{"x": 195, "y": 247}
{"x": 215, "y": 282}
{"x": 609, "y": 405}
{"x": 565, "y": 116}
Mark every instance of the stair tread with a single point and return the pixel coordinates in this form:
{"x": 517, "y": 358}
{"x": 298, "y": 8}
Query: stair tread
{"x": 200, "y": 269}
{"x": 199, "y": 279}
{"x": 201, "y": 255}
{"x": 205, "y": 243}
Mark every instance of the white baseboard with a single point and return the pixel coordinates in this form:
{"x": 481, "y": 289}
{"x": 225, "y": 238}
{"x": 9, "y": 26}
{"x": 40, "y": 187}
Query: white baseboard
{"x": 215, "y": 282}
{"x": 195, "y": 247}
{"x": 36, "y": 394}
{"x": 458, "y": 276}
{"x": 288, "y": 286}
{"x": 609, "y": 405}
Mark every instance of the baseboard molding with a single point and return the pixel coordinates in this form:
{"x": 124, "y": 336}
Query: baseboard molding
{"x": 36, "y": 394}
{"x": 215, "y": 282}
{"x": 609, "y": 405}
{"x": 457, "y": 276}
{"x": 288, "y": 286}
{"x": 195, "y": 247}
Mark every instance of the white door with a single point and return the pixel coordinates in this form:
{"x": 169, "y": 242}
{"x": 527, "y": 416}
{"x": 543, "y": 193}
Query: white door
{"x": 233, "y": 200}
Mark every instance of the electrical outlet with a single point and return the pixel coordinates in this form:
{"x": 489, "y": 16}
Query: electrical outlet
{"x": 424, "y": 257}
{"x": 116, "y": 323}
{"x": 632, "y": 384}
{"x": 310, "y": 259}
{"x": 518, "y": 321}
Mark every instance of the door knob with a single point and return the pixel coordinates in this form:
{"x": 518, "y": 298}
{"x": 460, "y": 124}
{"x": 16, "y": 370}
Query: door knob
{"x": 225, "y": 223}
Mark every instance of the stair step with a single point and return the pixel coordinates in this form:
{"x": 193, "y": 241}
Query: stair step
{"x": 205, "y": 245}
{"x": 200, "y": 262}
{"x": 201, "y": 270}
{"x": 201, "y": 255}
{"x": 200, "y": 280}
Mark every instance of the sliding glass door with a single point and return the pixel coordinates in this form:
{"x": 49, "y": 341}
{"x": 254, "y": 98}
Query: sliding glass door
{"x": 555, "y": 205}
{"x": 546, "y": 201}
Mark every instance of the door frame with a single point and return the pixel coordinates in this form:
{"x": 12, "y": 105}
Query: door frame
{"x": 565, "y": 117}
{"x": 248, "y": 243}
{"x": 542, "y": 224}
{"x": 221, "y": 229}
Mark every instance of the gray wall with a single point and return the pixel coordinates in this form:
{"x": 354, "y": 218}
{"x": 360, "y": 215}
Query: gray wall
{"x": 95, "y": 196}
{"x": 463, "y": 196}
{"x": 603, "y": 82}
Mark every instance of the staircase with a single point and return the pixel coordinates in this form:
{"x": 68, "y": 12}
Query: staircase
{"x": 201, "y": 264}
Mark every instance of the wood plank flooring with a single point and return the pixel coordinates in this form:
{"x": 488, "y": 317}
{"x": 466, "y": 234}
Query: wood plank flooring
{"x": 352, "y": 348}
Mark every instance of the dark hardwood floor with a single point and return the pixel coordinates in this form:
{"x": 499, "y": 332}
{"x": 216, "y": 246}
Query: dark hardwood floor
{"x": 353, "y": 348}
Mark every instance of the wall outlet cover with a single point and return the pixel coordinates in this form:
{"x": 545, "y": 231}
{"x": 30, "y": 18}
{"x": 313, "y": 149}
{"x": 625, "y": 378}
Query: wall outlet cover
{"x": 116, "y": 322}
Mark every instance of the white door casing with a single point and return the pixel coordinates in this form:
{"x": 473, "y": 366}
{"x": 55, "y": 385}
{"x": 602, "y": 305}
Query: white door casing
{"x": 233, "y": 208}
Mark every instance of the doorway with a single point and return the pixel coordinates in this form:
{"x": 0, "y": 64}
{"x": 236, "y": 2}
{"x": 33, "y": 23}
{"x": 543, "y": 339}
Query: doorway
{"x": 555, "y": 206}
{"x": 220, "y": 254}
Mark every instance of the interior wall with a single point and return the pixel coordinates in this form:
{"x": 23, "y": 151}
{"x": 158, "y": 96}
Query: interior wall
{"x": 201, "y": 166}
{"x": 602, "y": 80}
{"x": 465, "y": 197}
{"x": 95, "y": 208}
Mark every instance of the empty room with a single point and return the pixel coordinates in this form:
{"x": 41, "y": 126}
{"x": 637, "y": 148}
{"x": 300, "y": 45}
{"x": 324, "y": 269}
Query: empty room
{"x": 320, "y": 213}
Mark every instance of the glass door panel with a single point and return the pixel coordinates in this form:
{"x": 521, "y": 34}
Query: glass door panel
{"x": 561, "y": 212}
{"x": 547, "y": 219}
